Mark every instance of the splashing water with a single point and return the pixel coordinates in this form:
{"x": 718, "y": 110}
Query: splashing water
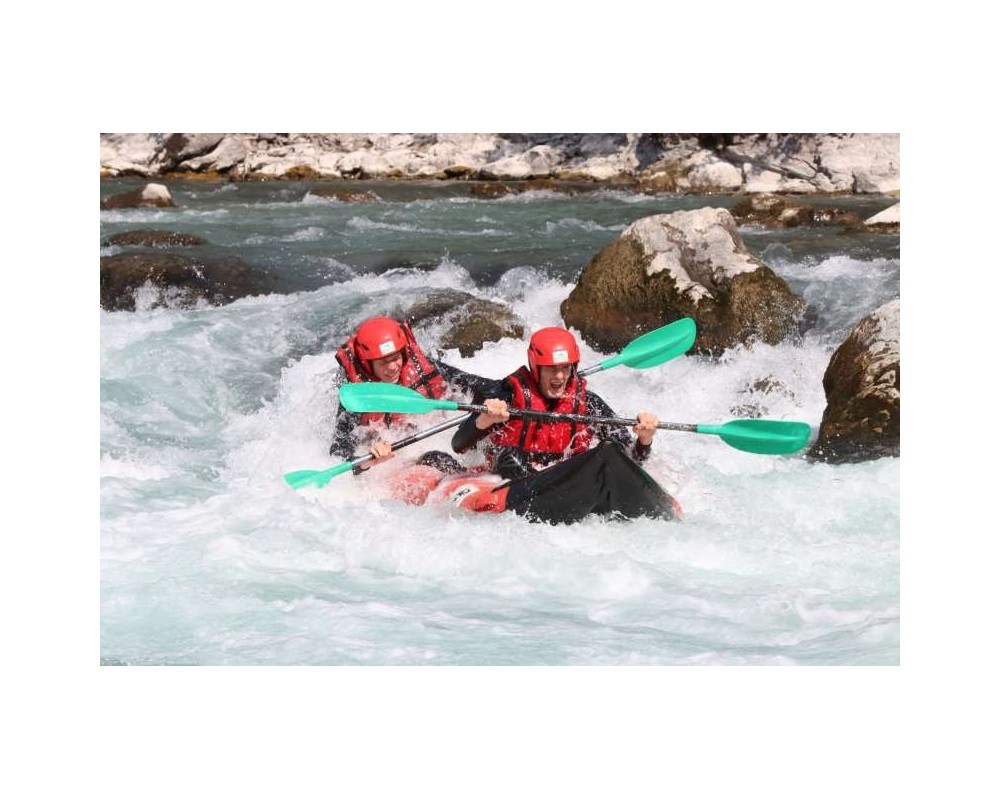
{"x": 207, "y": 556}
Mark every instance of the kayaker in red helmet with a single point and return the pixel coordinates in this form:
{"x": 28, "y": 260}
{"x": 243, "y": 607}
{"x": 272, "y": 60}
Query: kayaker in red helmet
{"x": 549, "y": 382}
{"x": 384, "y": 350}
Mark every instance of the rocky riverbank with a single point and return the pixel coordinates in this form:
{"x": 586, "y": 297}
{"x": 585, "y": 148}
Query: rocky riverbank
{"x": 848, "y": 163}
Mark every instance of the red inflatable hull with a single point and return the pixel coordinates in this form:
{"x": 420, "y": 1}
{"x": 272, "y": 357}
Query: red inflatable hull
{"x": 603, "y": 481}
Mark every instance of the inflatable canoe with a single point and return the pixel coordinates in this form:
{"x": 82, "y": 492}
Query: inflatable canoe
{"x": 603, "y": 481}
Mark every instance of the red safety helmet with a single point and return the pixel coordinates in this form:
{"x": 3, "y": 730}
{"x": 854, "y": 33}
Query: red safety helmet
{"x": 379, "y": 337}
{"x": 551, "y": 347}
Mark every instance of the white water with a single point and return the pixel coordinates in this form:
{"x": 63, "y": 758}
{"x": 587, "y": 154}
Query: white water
{"x": 208, "y": 557}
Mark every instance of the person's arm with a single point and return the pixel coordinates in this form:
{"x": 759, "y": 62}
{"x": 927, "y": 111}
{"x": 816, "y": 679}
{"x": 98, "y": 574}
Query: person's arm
{"x": 476, "y": 385}
{"x": 479, "y": 426}
{"x": 467, "y": 436}
{"x": 343, "y": 433}
{"x": 345, "y": 441}
{"x": 598, "y": 408}
{"x": 509, "y": 462}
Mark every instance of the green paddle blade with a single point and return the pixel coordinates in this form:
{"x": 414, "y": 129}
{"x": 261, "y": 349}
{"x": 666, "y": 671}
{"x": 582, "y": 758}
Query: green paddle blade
{"x": 656, "y": 347}
{"x": 390, "y": 398}
{"x": 770, "y": 437}
{"x": 319, "y": 478}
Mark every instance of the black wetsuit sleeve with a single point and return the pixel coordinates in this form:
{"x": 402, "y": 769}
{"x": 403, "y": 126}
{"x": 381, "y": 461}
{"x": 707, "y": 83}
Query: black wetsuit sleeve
{"x": 596, "y": 407}
{"x": 468, "y": 435}
{"x": 343, "y": 433}
{"x": 508, "y": 462}
{"x": 479, "y": 387}
{"x": 344, "y": 438}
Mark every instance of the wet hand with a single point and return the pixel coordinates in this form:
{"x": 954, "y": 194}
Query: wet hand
{"x": 496, "y": 412}
{"x": 381, "y": 452}
{"x": 645, "y": 428}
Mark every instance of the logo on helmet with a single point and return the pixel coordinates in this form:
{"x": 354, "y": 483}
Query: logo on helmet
{"x": 387, "y": 348}
{"x": 560, "y": 357}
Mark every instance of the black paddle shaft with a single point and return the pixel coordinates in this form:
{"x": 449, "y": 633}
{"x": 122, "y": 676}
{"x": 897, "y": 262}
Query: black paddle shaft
{"x": 556, "y": 417}
{"x": 416, "y": 437}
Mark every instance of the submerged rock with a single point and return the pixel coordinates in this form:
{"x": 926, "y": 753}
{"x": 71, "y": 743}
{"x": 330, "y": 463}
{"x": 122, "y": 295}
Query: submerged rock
{"x": 470, "y": 320}
{"x": 775, "y": 211}
{"x": 344, "y": 195}
{"x": 176, "y": 281}
{"x": 684, "y": 264}
{"x": 152, "y": 195}
{"x": 861, "y": 420}
{"x": 153, "y": 238}
{"x": 491, "y": 189}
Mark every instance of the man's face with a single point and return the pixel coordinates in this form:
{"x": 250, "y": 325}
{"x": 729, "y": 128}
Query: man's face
{"x": 553, "y": 380}
{"x": 387, "y": 368}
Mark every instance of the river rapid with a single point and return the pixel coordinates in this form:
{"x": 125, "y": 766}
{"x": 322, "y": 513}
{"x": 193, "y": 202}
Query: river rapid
{"x": 209, "y": 558}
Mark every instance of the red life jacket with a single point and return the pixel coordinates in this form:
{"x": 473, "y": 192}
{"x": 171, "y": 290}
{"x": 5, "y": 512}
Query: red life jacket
{"x": 542, "y": 436}
{"x": 418, "y": 373}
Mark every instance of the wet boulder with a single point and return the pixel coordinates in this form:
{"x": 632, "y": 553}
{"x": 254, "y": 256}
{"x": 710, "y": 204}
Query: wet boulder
{"x": 480, "y": 321}
{"x": 152, "y": 195}
{"x": 153, "y": 238}
{"x": 775, "y": 211}
{"x": 344, "y": 195}
{"x": 683, "y": 264}
{"x": 491, "y": 189}
{"x": 861, "y": 420}
{"x": 176, "y": 281}
{"x": 469, "y": 321}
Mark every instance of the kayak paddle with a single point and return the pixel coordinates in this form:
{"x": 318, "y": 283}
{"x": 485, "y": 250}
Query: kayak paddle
{"x": 653, "y": 348}
{"x": 320, "y": 478}
{"x": 649, "y": 350}
{"x": 765, "y": 436}
{"x": 769, "y": 437}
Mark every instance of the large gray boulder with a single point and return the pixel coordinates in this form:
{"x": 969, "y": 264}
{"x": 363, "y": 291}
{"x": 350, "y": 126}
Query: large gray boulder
{"x": 861, "y": 420}
{"x": 177, "y": 281}
{"x": 683, "y": 264}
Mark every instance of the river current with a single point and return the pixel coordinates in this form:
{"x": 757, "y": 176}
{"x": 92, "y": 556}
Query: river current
{"x": 207, "y": 557}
